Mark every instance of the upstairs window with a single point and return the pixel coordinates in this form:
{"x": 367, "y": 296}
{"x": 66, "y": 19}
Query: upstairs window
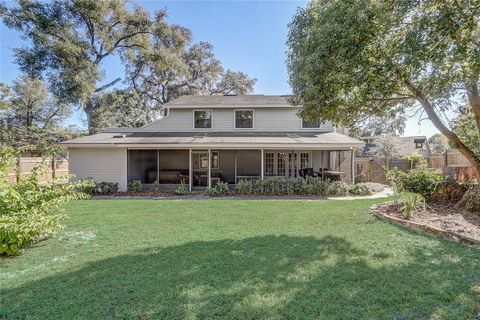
{"x": 243, "y": 119}
{"x": 202, "y": 119}
{"x": 310, "y": 124}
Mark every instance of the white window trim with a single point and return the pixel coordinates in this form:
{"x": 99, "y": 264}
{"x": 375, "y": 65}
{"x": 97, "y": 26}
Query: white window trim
{"x": 316, "y": 128}
{"x": 235, "y": 119}
{"x": 193, "y": 119}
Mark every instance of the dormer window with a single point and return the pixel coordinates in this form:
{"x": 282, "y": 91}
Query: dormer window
{"x": 310, "y": 124}
{"x": 243, "y": 119}
{"x": 202, "y": 119}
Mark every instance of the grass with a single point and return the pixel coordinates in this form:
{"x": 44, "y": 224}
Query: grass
{"x": 146, "y": 259}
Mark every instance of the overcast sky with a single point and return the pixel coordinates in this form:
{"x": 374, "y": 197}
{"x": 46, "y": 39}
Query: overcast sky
{"x": 247, "y": 36}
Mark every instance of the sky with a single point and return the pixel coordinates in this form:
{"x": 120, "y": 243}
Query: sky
{"x": 247, "y": 36}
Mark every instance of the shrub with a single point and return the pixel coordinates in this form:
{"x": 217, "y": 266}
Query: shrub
{"x": 105, "y": 187}
{"x": 338, "y": 188}
{"x": 244, "y": 187}
{"x": 156, "y": 185}
{"x": 219, "y": 190}
{"x": 374, "y": 187}
{"x": 422, "y": 181}
{"x": 412, "y": 203}
{"x": 471, "y": 199}
{"x": 182, "y": 189}
{"x": 29, "y": 210}
{"x": 135, "y": 186}
{"x": 359, "y": 189}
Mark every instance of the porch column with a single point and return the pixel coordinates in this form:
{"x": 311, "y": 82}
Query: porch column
{"x": 353, "y": 166}
{"x": 209, "y": 177}
{"x": 262, "y": 164}
{"x": 235, "y": 166}
{"x": 190, "y": 178}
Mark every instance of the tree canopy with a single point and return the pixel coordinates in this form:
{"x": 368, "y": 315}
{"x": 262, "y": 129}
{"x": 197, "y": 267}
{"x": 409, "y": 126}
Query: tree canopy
{"x": 351, "y": 60}
{"x": 69, "y": 42}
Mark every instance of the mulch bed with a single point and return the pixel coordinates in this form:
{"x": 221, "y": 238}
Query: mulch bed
{"x": 444, "y": 219}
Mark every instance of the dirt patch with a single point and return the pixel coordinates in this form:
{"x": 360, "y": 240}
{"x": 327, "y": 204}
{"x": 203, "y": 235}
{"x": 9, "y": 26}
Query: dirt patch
{"x": 438, "y": 217}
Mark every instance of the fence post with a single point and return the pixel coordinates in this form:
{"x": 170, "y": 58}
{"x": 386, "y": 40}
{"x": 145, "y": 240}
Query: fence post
{"x": 53, "y": 168}
{"x": 18, "y": 169}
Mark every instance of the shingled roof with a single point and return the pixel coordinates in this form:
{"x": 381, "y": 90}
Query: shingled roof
{"x": 226, "y": 101}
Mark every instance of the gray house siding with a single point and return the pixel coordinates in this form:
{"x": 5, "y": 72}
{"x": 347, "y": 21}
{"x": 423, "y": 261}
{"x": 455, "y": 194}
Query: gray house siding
{"x": 265, "y": 119}
{"x": 100, "y": 164}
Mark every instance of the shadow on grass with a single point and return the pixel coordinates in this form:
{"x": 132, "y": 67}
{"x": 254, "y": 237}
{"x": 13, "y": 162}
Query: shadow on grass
{"x": 260, "y": 277}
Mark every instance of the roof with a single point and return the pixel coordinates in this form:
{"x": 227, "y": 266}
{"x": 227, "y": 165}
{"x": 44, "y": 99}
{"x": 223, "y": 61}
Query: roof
{"x": 230, "y": 101}
{"x": 407, "y": 145}
{"x": 315, "y": 140}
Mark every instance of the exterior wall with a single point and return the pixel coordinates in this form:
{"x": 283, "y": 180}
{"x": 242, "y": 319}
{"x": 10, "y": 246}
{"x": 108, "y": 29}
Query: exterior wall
{"x": 264, "y": 119}
{"x": 100, "y": 164}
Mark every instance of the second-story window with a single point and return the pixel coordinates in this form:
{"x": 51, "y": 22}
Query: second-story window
{"x": 202, "y": 119}
{"x": 310, "y": 124}
{"x": 243, "y": 119}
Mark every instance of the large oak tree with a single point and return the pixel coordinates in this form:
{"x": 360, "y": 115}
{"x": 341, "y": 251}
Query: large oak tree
{"x": 352, "y": 59}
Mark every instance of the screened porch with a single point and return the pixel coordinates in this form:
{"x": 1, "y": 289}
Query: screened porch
{"x": 203, "y": 168}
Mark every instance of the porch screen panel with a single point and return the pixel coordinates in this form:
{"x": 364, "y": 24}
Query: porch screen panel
{"x": 173, "y": 166}
{"x": 249, "y": 163}
{"x": 269, "y": 163}
{"x": 142, "y": 165}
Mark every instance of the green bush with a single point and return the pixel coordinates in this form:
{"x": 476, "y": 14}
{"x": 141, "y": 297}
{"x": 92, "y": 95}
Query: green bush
{"x": 471, "y": 199}
{"x": 29, "y": 210}
{"x": 219, "y": 190}
{"x": 286, "y": 187}
{"x": 105, "y": 187}
{"x": 422, "y": 181}
{"x": 374, "y": 187}
{"x": 359, "y": 189}
{"x": 135, "y": 186}
{"x": 338, "y": 188}
{"x": 182, "y": 189}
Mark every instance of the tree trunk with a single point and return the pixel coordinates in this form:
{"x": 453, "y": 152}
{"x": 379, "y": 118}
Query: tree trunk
{"x": 88, "y": 108}
{"x": 454, "y": 139}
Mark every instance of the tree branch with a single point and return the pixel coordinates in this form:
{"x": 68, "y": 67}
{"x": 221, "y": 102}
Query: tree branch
{"x": 432, "y": 115}
{"x": 471, "y": 85}
{"x": 107, "y": 85}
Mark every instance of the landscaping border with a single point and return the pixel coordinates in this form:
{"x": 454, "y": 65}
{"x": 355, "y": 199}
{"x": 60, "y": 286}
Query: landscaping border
{"x": 449, "y": 235}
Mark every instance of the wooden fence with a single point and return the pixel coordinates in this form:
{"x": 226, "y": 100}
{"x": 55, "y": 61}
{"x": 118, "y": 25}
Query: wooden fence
{"x": 451, "y": 163}
{"x": 56, "y": 168}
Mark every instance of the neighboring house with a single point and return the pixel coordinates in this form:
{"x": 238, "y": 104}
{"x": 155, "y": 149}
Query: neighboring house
{"x": 205, "y": 139}
{"x": 407, "y": 145}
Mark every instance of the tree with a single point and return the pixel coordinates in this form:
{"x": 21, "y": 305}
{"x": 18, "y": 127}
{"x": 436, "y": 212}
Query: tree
{"x": 28, "y": 103}
{"x": 386, "y": 146}
{"x": 71, "y": 39}
{"x": 348, "y": 60}
{"x": 465, "y": 127}
{"x": 183, "y": 69}
{"x": 438, "y": 143}
{"x": 374, "y": 126}
{"x": 120, "y": 108}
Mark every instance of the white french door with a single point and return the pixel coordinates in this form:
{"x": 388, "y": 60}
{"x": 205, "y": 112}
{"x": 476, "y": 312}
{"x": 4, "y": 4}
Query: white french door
{"x": 287, "y": 164}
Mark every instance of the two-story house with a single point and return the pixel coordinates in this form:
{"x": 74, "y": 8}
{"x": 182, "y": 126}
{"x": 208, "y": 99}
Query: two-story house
{"x": 205, "y": 139}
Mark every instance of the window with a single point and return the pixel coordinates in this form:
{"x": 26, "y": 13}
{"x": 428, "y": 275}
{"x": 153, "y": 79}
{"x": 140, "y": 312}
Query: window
{"x": 269, "y": 164}
{"x": 204, "y": 160}
{"x": 243, "y": 119}
{"x": 281, "y": 163}
{"x": 419, "y": 145}
{"x": 304, "y": 160}
{"x": 202, "y": 119}
{"x": 310, "y": 124}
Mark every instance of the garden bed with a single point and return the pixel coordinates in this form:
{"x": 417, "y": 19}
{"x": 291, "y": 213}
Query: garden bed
{"x": 443, "y": 219}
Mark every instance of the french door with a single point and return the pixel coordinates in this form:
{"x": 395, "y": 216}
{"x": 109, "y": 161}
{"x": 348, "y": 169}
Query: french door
{"x": 286, "y": 164}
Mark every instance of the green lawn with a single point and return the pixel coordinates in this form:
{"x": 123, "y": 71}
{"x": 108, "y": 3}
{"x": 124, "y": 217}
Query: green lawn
{"x": 147, "y": 259}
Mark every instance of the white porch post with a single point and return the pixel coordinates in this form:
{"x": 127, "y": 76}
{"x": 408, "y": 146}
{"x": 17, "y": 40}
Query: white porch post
{"x": 190, "y": 178}
{"x": 353, "y": 166}
{"x": 209, "y": 177}
{"x": 235, "y": 166}
{"x": 262, "y": 165}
